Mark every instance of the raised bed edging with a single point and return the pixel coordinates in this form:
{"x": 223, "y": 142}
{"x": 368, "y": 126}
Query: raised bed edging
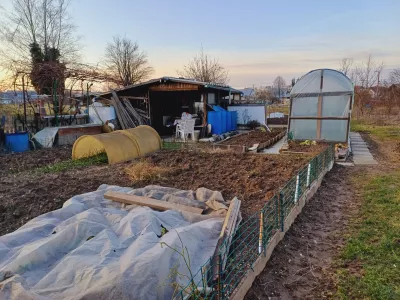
{"x": 245, "y": 285}
{"x": 242, "y": 149}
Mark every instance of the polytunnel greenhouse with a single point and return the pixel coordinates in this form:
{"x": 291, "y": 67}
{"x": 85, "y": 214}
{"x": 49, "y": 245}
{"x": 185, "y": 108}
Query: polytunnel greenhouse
{"x": 321, "y": 103}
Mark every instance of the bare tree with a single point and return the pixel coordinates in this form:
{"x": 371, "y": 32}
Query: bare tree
{"x": 125, "y": 60}
{"x": 206, "y": 69}
{"x": 395, "y": 76}
{"x": 279, "y": 86}
{"x": 45, "y": 24}
{"x": 368, "y": 73}
{"x": 38, "y": 41}
{"x": 262, "y": 94}
{"x": 346, "y": 65}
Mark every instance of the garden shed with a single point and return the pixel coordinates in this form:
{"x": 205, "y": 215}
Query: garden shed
{"x": 320, "y": 106}
{"x": 164, "y": 99}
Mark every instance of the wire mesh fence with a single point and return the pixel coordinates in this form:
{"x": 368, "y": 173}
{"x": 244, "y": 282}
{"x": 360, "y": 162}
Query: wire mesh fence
{"x": 221, "y": 274}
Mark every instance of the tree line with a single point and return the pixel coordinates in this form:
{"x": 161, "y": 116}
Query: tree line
{"x": 42, "y": 49}
{"x": 374, "y": 95}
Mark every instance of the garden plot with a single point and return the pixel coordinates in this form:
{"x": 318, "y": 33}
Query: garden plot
{"x": 28, "y": 191}
{"x": 252, "y": 178}
{"x": 95, "y": 248}
{"x": 244, "y": 141}
{"x": 298, "y": 147}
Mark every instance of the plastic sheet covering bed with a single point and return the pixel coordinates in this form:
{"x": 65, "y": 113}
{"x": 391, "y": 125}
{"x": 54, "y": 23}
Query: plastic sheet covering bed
{"x": 92, "y": 248}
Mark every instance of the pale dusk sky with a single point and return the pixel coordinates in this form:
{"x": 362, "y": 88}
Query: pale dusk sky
{"x": 254, "y": 40}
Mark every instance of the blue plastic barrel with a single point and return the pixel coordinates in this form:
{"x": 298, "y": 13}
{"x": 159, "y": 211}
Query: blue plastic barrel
{"x": 234, "y": 120}
{"x": 225, "y": 123}
{"x": 224, "y": 115}
{"x": 229, "y": 121}
{"x": 214, "y": 118}
{"x": 17, "y": 142}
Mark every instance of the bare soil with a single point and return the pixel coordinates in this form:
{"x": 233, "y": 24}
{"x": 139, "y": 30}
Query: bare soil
{"x": 26, "y": 195}
{"x": 18, "y": 162}
{"x": 300, "y": 264}
{"x": 253, "y": 137}
{"x": 296, "y": 147}
{"x": 253, "y": 178}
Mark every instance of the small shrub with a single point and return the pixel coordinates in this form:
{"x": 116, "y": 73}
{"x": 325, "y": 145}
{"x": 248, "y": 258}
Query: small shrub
{"x": 253, "y": 124}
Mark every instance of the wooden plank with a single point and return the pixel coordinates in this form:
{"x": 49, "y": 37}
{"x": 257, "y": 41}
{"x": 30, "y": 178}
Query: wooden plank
{"x": 226, "y": 235}
{"x": 135, "y": 98}
{"x": 319, "y": 118}
{"x": 152, "y": 203}
{"x": 114, "y": 100}
{"x": 163, "y": 87}
{"x": 339, "y": 93}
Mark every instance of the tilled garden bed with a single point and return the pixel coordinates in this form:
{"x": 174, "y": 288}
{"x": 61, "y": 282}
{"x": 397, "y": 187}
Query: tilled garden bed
{"x": 244, "y": 141}
{"x": 253, "y": 178}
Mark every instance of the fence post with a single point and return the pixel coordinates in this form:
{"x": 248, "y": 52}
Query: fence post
{"x": 308, "y": 174}
{"x": 282, "y": 211}
{"x": 260, "y": 237}
{"x": 296, "y": 193}
{"x": 219, "y": 284}
{"x": 277, "y": 212}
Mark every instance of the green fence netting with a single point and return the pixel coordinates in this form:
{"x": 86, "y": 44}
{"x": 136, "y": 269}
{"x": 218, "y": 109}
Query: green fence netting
{"x": 221, "y": 274}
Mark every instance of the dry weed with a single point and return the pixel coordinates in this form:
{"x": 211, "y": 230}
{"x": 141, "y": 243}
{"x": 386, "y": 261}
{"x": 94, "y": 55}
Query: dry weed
{"x": 144, "y": 170}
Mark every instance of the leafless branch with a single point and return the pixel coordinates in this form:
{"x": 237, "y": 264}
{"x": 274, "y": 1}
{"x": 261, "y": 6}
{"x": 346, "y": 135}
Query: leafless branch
{"x": 206, "y": 69}
{"x": 126, "y": 61}
{"x": 346, "y": 65}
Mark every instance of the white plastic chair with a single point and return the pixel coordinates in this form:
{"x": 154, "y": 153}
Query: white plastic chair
{"x": 186, "y": 127}
{"x": 179, "y": 128}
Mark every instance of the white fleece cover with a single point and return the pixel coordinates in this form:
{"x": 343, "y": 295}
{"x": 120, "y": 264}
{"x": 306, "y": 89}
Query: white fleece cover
{"x": 92, "y": 248}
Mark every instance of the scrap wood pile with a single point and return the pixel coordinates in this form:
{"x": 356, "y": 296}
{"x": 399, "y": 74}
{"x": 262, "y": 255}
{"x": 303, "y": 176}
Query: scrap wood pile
{"x": 129, "y": 116}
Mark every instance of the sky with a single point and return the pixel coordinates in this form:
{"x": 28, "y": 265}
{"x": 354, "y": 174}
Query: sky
{"x": 254, "y": 40}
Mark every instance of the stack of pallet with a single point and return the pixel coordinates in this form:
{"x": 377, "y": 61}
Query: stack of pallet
{"x": 128, "y": 116}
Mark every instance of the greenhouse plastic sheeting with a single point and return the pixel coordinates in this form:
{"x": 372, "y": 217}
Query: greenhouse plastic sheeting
{"x": 121, "y": 145}
{"x": 320, "y": 94}
{"x": 46, "y": 136}
{"x": 91, "y": 248}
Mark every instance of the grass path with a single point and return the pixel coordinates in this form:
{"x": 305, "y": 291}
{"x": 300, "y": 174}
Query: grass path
{"x": 368, "y": 266}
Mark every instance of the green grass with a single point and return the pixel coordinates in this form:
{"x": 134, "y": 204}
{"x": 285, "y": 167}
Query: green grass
{"x": 381, "y": 132}
{"x": 74, "y": 164}
{"x": 370, "y": 261}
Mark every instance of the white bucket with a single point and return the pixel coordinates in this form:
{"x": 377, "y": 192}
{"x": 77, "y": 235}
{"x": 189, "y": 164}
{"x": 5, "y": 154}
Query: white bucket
{"x": 196, "y": 135}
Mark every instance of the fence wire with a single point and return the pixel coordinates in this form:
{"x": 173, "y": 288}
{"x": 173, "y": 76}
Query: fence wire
{"x": 221, "y": 275}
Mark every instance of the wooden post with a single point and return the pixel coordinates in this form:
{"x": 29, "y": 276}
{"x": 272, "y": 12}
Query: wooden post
{"x": 205, "y": 109}
{"x": 148, "y": 103}
{"x": 319, "y": 113}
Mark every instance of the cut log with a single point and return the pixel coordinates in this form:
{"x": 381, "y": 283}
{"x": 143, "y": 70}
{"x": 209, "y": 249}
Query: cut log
{"x": 152, "y": 203}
